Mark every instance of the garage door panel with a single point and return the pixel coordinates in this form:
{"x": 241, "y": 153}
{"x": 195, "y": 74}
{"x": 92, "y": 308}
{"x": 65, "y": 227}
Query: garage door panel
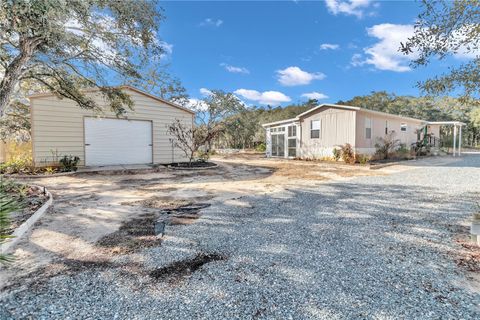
{"x": 117, "y": 141}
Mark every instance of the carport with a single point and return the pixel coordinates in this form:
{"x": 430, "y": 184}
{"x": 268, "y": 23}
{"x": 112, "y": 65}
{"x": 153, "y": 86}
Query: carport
{"x": 457, "y": 128}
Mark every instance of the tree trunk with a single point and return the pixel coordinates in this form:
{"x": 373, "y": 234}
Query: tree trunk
{"x": 15, "y": 70}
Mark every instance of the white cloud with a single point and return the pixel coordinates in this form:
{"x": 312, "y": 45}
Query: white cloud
{"x": 234, "y": 69}
{"x": 460, "y": 36}
{"x": 384, "y": 55}
{"x": 315, "y": 95}
{"x": 349, "y": 7}
{"x": 329, "y": 46}
{"x": 196, "y": 104}
{"x": 266, "y": 97}
{"x": 205, "y": 92}
{"x": 357, "y": 60}
{"x": 294, "y": 76}
{"x": 209, "y": 22}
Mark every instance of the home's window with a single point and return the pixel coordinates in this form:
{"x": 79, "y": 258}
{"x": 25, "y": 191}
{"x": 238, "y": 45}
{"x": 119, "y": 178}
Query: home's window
{"x": 292, "y": 131}
{"x": 403, "y": 127}
{"x": 368, "y": 128}
{"x": 315, "y": 129}
{"x": 386, "y": 127}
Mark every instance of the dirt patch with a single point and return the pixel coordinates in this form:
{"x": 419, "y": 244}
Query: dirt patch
{"x": 183, "y": 268}
{"x": 153, "y": 188}
{"x": 158, "y": 203}
{"x": 469, "y": 258}
{"x": 133, "y": 235}
{"x": 142, "y": 231}
{"x": 135, "y": 182}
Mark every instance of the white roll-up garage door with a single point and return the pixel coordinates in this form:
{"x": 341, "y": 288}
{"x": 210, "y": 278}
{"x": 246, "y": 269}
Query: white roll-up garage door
{"x": 117, "y": 141}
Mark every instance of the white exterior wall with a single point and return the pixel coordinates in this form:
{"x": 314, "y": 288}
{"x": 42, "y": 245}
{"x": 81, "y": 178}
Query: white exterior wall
{"x": 378, "y": 124}
{"x": 337, "y": 127}
{"x": 58, "y": 126}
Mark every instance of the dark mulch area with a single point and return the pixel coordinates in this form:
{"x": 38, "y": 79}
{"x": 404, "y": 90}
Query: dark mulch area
{"x": 133, "y": 235}
{"x": 183, "y": 268}
{"x": 192, "y": 165}
{"x": 146, "y": 229}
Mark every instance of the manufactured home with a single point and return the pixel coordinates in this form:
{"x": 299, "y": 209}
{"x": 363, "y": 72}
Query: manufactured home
{"x": 60, "y": 127}
{"x": 315, "y": 133}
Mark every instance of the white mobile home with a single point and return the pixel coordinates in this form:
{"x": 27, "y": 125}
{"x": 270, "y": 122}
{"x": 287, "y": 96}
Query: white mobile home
{"x": 316, "y": 132}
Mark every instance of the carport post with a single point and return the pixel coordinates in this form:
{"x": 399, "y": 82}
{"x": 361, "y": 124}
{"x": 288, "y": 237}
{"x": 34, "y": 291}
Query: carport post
{"x": 454, "y": 139}
{"x": 460, "y": 142}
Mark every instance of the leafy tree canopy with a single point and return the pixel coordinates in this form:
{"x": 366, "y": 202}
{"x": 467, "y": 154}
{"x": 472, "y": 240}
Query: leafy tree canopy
{"x": 65, "y": 46}
{"x": 446, "y": 28}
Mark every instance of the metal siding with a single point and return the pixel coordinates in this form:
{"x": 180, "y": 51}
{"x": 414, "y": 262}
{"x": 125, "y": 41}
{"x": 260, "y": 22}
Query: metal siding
{"x": 337, "y": 128}
{"x": 57, "y": 126}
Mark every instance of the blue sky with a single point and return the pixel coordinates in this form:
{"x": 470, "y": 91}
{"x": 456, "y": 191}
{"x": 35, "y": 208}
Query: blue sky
{"x": 283, "y": 52}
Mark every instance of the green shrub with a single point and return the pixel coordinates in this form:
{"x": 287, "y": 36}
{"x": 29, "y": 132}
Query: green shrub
{"x": 385, "y": 147}
{"x": 7, "y": 206}
{"x": 337, "y": 153}
{"x": 403, "y": 152}
{"x": 20, "y": 164}
{"x": 262, "y": 147}
{"x": 69, "y": 163}
{"x": 348, "y": 155}
{"x": 362, "y": 158}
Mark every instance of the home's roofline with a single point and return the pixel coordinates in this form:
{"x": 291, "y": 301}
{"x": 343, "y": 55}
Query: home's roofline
{"x": 327, "y": 105}
{"x": 47, "y": 94}
{"x": 345, "y": 107}
{"x": 279, "y": 122}
{"x": 358, "y": 109}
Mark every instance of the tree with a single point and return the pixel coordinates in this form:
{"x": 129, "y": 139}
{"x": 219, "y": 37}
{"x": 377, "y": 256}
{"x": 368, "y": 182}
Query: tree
{"x": 446, "y": 28}
{"x": 15, "y": 123}
{"x": 159, "y": 82}
{"x": 210, "y": 115}
{"x": 65, "y": 46}
{"x": 185, "y": 137}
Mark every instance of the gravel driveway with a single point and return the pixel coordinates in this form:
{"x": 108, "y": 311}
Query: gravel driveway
{"x": 374, "y": 247}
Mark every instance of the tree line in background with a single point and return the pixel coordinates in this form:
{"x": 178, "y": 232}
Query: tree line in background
{"x": 244, "y": 128}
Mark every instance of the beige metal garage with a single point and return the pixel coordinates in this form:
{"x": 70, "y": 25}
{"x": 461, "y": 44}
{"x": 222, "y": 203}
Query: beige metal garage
{"x": 60, "y": 127}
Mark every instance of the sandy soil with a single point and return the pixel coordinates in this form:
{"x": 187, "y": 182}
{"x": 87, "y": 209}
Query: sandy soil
{"x": 90, "y": 207}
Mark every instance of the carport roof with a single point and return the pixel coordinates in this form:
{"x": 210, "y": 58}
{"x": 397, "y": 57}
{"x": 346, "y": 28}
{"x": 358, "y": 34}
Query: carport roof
{"x": 451, "y": 123}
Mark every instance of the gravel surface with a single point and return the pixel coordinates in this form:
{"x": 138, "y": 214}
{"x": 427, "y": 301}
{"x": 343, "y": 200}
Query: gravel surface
{"x": 375, "y": 247}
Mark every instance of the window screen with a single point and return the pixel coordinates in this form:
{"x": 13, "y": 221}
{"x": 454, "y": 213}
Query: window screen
{"x": 292, "y": 131}
{"x": 315, "y": 129}
{"x": 368, "y": 128}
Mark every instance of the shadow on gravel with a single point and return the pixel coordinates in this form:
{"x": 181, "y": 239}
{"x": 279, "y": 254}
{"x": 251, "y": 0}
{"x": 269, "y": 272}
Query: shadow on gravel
{"x": 183, "y": 268}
